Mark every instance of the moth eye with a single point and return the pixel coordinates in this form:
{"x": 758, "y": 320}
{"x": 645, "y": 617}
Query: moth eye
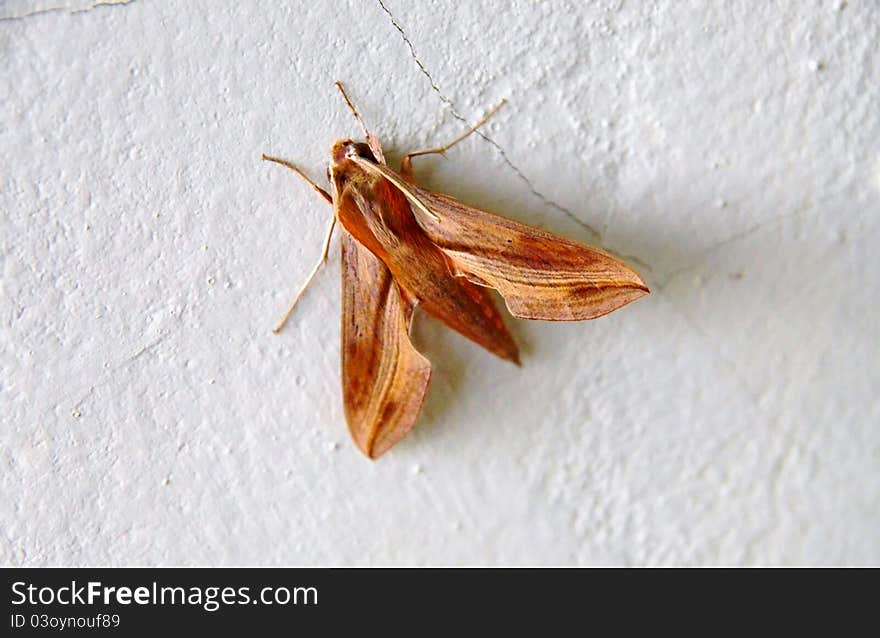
{"x": 358, "y": 149}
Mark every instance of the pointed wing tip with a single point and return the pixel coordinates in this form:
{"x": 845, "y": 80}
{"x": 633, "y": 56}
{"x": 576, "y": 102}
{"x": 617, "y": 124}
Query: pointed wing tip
{"x": 630, "y": 278}
{"x": 373, "y": 451}
{"x": 633, "y": 284}
{"x": 373, "y": 445}
{"x": 369, "y": 448}
{"x": 641, "y": 285}
{"x": 510, "y": 352}
{"x": 628, "y": 294}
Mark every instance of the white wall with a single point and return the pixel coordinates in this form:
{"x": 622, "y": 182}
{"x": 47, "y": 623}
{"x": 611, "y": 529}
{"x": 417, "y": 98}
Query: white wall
{"x": 149, "y": 416}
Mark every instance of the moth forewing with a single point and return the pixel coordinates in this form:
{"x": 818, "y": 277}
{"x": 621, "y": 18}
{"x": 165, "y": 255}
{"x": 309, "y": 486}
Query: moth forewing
{"x": 384, "y": 378}
{"x": 540, "y": 275}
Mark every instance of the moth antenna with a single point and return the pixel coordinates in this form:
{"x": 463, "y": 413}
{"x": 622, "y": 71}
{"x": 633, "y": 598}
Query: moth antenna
{"x": 353, "y": 110}
{"x": 299, "y": 172}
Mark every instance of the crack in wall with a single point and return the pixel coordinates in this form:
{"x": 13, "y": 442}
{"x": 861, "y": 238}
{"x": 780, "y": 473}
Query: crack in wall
{"x": 64, "y": 8}
{"x": 501, "y": 152}
{"x": 77, "y": 407}
{"x": 705, "y": 254}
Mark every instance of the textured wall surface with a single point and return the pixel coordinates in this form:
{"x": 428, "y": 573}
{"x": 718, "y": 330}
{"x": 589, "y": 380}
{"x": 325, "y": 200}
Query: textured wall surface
{"x": 149, "y": 415}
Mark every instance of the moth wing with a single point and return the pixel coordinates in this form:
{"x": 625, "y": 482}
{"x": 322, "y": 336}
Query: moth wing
{"x": 384, "y": 378}
{"x": 539, "y": 274}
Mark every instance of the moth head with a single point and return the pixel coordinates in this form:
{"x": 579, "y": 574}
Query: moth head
{"x": 345, "y": 149}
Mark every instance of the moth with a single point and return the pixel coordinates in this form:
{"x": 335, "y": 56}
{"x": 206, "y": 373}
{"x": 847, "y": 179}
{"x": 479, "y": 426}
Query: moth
{"x": 405, "y": 247}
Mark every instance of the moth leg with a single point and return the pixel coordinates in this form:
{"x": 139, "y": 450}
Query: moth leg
{"x": 406, "y": 168}
{"x": 324, "y": 252}
{"x": 372, "y": 140}
{"x": 299, "y": 172}
{"x": 326, "y": 248}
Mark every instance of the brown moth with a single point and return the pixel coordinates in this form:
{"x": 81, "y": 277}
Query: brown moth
{"x": 404, "y": 246}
